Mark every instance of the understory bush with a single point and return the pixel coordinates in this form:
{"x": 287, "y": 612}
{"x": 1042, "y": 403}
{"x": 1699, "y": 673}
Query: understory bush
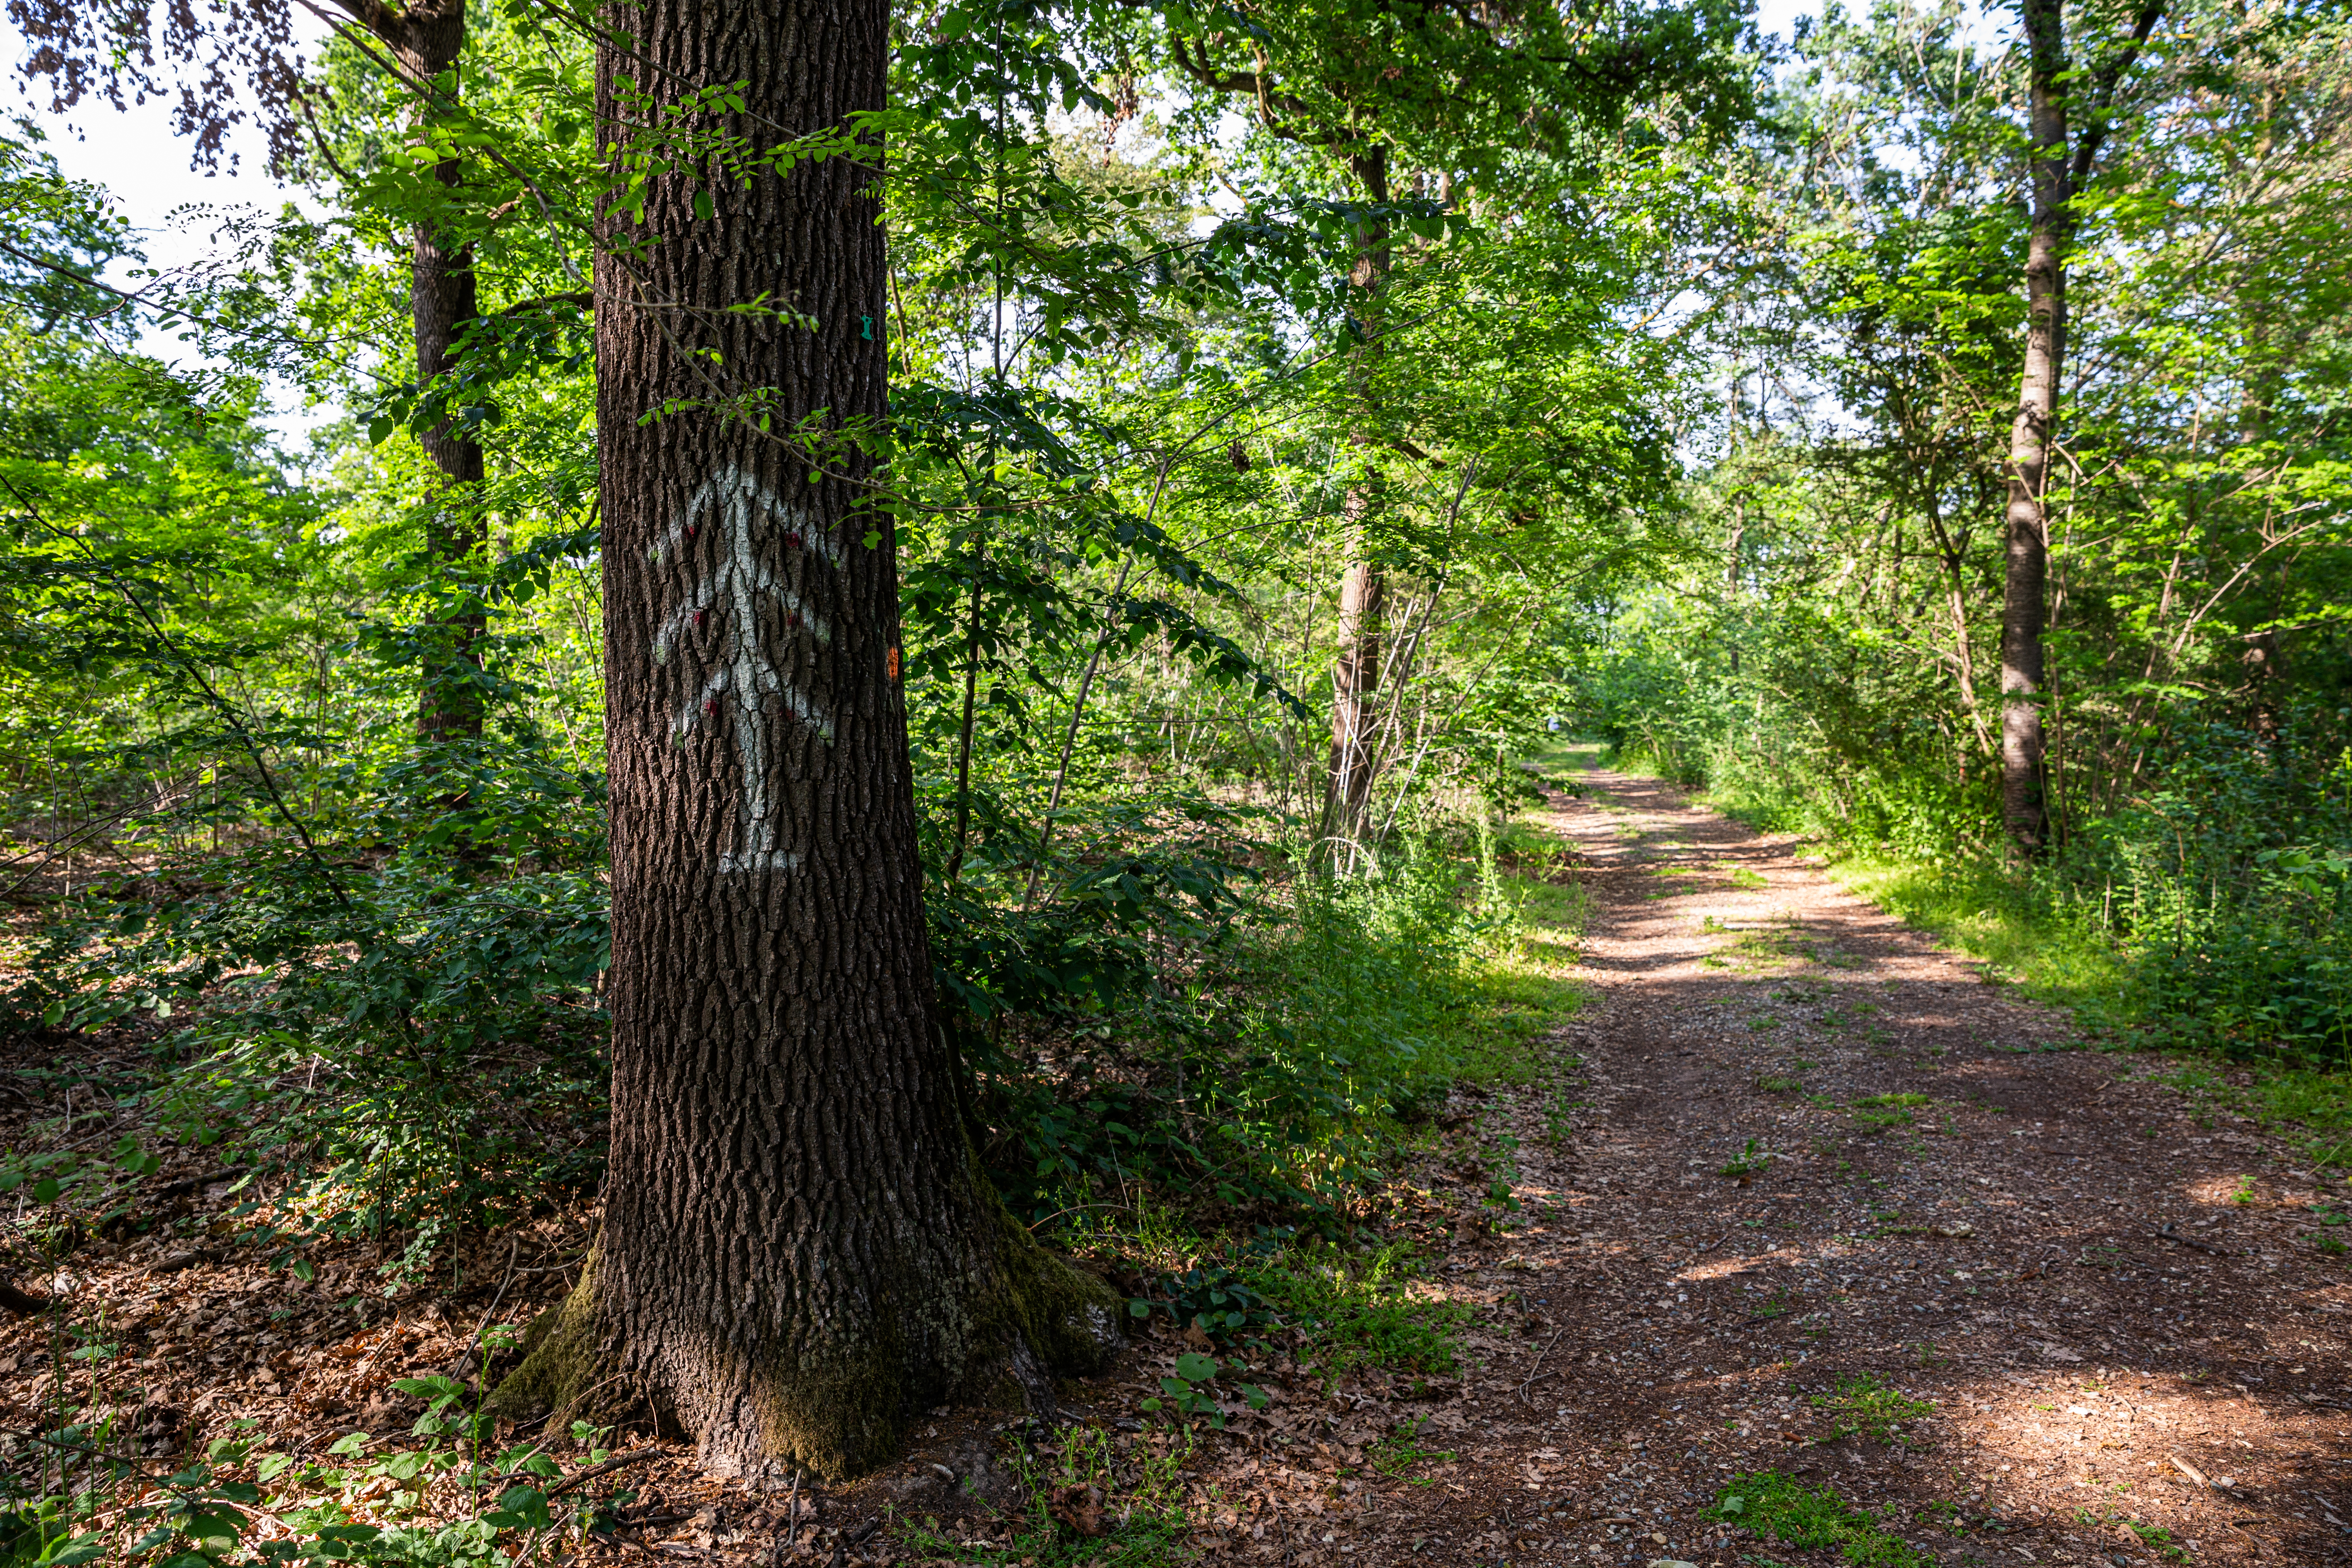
{"x": 1269, "y": 1067}
{"x": 395, "y": 1023}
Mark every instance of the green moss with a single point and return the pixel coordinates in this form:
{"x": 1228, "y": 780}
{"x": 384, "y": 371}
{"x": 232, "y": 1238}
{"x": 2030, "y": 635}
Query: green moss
{"x": 1032, "y": 1316}
{"x": 558, "y": 1363}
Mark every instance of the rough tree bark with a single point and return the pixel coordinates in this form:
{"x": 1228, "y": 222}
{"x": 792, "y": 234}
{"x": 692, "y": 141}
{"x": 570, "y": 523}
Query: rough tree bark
{"x": 2033, "y": 430}
{"x": 799, "y": 1250}
{"x": 2060, "y": 165}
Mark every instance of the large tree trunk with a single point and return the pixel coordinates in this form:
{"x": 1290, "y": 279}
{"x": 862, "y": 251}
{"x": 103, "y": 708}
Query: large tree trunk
{"x": 427, "y": 37}
{"x": 799, "y": 1250}
{"x": 1356, "y": 671}
{"x": 2032, "y": 434}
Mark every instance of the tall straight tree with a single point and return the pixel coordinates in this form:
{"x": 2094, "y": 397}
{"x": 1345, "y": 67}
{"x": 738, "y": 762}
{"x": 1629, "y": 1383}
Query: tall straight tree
{"x": 428, "y": 39}
{"x": 2060, "y": 165}
{"x": 245, "y": 48}
{"x": 799, "y": 1250}
{"x": 1382, "y": 91}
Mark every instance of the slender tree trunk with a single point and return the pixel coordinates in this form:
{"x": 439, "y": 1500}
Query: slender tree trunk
{"x": 428, "y": 38}
{"x": 2033, "y": 433}
{"x": 1356, "y": 674}
{"x": 1355, "y": 688}
{"x": 1731, "y": 566}
{"x": 1951, "y": 554}
{"x": 799, "y": 1250}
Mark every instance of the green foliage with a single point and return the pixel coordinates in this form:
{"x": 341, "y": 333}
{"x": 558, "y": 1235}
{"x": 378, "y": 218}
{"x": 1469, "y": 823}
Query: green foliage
{"x": 1749, "y": 1162}
{"x": 1357, "y": 1311}
{"x": 1088, "y": 1503}
{"x": 422, "y": 1042}
{"x": 350, "y": 1505}
{"x": 1813, "y": 1518}
{"x": 1217, "y": 1301}
{"x": 1833, "y": 669}
{"x": 1401, "y": 1451}
{"x": 1187, "y": 1391}
{"x": 1268, "y": 1045}
{"x": 1878, "y": 1112}
{"x": 1866, "y": 1405}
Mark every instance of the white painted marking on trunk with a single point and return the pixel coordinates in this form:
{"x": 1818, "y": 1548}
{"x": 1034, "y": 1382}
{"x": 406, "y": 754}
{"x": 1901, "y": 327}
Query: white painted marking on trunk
{"x": 744, "y": 685}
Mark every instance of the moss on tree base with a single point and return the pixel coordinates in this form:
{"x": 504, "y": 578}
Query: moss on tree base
{"x": 560, "y": 1362}
{"x": 1034, "y": 1316}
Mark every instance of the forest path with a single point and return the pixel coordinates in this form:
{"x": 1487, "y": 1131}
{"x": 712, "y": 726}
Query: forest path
{"x": 1986, "y": 1240}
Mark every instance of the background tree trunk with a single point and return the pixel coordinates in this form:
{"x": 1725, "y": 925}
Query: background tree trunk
{"x": 449, "y": 702}
{"x": 2033, "y": 433}
{"x": 1356, "y": 672}
{"x": 1355, "y": 691}
{"x": 428, "y": 38}
{"x": 799, "y": 1249}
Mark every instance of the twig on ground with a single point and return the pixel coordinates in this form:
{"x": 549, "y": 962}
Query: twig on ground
{"x": 2169, "y": 1234}
{"x": 1536, "y": 1371}
{"x": 582, "y": 1477}
{"x": 198, "y": 1184}
{"x": 458, "y": 1366}
{"x": 840, "y": 1547}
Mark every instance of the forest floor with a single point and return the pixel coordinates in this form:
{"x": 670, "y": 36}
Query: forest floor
{"x": 1810, "y": 1215}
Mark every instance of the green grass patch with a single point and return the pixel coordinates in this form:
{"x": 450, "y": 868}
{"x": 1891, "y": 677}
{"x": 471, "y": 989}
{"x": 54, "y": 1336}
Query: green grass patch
{"x": 1401, "y": 1451}
{"x": 1093, "y": 1501}
{"x": 1359, "y": 1311}
{"x": 1517, "y": 986}
{"x": 1990, "y": 915}
{"x": 1814, "y": 1518}
{"x": 1522, "y": 984}
{"x": 1864, "y": 1406}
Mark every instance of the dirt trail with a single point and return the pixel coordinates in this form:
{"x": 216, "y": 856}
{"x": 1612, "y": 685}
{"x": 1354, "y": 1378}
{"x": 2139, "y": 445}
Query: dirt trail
{"x": 1989, "y": 1243}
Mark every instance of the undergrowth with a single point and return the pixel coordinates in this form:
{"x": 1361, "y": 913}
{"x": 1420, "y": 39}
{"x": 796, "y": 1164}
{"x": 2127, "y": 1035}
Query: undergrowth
{"x": 1090, "y": 1500}
{"x": 1358, "y": 1310}
{"x": 1813, "y": 1518}
{"x": 1216, "y": 1057}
